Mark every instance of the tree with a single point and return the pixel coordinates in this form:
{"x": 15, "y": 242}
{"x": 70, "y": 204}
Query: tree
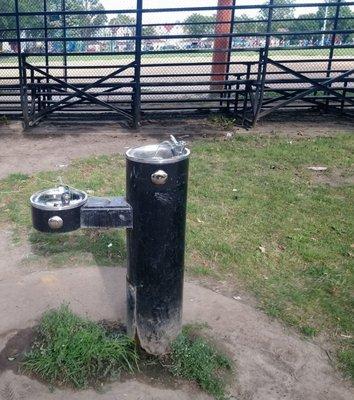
{"x": 52, "y": 5}
{"x": 202, "y": 24}
{"x": 246, "y": 24}
{"x": 85, "y": 19}
{"x": 26, "y": 21}
{"x": 279, "y": 13}
{"x": 123, "y": 21}
{"x": 149, "y": 31}
{"x": 304, "y": 23}
{"x": 6, "y": 23}
{"x": 343, "y": 24}
{"x": 37, "y": 22}
{"x": 320, "y": 21}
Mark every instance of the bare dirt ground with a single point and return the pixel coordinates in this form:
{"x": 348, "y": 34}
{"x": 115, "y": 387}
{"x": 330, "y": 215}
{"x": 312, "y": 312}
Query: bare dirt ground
{"x": 52, "y": 145}
{"x": 272, "y": 362}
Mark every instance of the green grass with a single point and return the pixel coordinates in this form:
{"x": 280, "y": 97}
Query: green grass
{"x": 245, "y": 193}
{"x": 76, "y": 352}
{"x": 3, "y": 120}
{"x": 206, "y": 54}
{"x": 195, "y": 359}
{"x": 83, "y": 247}
{"x": 222, "y": 121}
{"x": 73, "y": 351}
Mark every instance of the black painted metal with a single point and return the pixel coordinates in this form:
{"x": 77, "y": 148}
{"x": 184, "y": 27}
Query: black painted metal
{"x": 156, "y": 253}
{"x": 164, "y": 85}
{"x": 31, "y": 117}
{"x": 71, "y": 219}
{"x": 106, "y": 212}
{"x": 137, "y": 72}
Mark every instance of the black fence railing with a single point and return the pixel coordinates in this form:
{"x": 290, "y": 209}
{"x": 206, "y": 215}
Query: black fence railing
{"x": 76, "y": 57}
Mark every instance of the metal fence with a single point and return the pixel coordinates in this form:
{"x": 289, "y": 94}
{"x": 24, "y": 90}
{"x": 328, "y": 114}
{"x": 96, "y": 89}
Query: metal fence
{"x": 81, "y": 57}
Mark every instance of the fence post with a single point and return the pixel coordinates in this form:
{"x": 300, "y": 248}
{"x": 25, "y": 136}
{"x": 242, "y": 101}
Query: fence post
{"x": 20, "y": 63}
{"x": 263, "y": 63}
{"x": 45, "y": 9}
{"x": 137, "y": 89}
{"x": 228, "y": 66}
{"x": 221, "y": 51}
{"x": 65, "y": 57}
{"x": 333, "y": 42}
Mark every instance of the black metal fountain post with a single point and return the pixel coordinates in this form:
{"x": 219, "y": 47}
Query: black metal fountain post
{"x": 157, "y": 177}
{"x": 154, "y": 212}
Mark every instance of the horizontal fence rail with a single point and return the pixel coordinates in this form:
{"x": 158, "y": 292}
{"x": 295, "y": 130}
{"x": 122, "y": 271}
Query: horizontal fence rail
{"x": 249, "y": 60}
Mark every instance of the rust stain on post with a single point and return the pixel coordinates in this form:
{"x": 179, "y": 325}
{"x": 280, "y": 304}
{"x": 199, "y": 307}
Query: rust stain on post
{"x": 220, "y": 57}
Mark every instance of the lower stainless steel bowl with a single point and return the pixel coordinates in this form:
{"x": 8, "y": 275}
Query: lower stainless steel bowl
{"x": 57, "y": 209}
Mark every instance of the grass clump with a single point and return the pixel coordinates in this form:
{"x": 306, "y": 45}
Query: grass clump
{"x": 346, "y": 359}
{"x": 222, "y": 121}
{"x": 3, "y": 120}
{"x": 193, "y": 358}
{"x": 73, "y": 351}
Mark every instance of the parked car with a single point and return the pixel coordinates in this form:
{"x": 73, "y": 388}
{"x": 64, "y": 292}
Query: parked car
{"x": 148, "y": 47}
{"x": 192, "y": 46}
{"x": 169, "y": 47}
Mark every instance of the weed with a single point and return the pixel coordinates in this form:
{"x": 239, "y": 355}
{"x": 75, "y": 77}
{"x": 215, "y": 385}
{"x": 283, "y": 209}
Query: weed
{"x": 74, "y": 351}
{"x": 3, "y": 120}
{"x": 222, "y": 121}
{"x": 308, "y": 331}
{"x": 16, "y": 178}
{"x": 195, "y": 359}
{"x": 346, "y": 359}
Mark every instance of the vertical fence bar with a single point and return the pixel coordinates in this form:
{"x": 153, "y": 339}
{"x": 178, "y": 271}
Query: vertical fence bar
{"x": 24, "y": 93}
{"x": 21, "y": 76}
{"x": 263, "y": 65}
{"x": 258, "y": 81}
{"x": 65, "y": 57}
{"x": 45, "y": 9}
{"x": 333, "y": 42}
{"x": 137, "y": 89}
{"x": 344, "y": 94}
{"x": 237, "y": 93}
{"x": 229, "y": 54}
{"x": 247, "y": 92}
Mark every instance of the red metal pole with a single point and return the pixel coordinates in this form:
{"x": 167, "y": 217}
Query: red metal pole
{"x": 220, "y": 58}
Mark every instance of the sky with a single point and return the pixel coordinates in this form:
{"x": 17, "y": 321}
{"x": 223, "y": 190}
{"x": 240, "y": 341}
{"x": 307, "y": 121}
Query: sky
{"x": 180, "y": 16}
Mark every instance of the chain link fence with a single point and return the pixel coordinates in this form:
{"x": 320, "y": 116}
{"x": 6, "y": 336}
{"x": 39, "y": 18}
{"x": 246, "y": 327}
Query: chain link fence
{"x": 148, "y": 56}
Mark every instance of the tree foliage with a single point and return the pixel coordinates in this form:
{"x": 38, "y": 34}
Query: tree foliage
{"x": 123, "y": 21}
{"x": 305, "y": 23}
{"x": 149, "y": 31}
{"x": 199, "y": 24}
{"x": 37, "y": 21}
{"x": 245, "y": 24}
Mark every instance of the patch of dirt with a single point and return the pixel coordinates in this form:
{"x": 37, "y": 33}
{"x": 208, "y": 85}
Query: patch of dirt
{"x": 333, "y": 178}
{"x": 12, "y": 354}
{"x": 155, "y": 374}
{"x": 52, "y": 145}
{"x": 304, "y": 123}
